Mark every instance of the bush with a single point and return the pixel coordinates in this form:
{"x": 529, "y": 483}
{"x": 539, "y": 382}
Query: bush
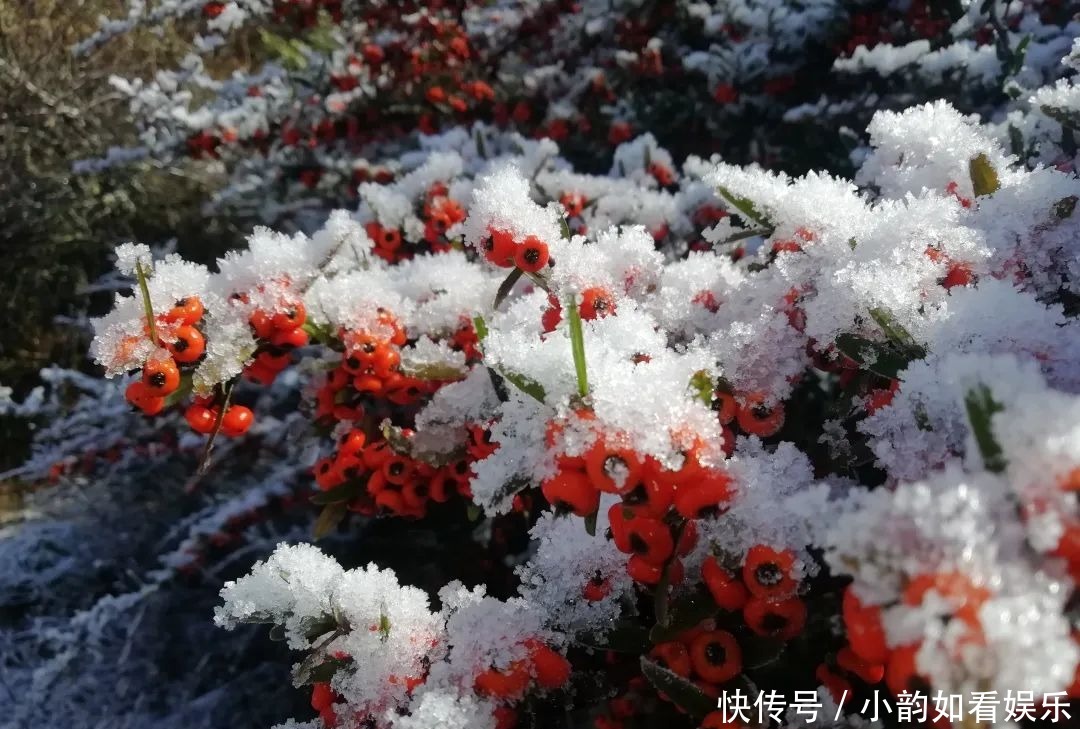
{"x": 608, "y": 447}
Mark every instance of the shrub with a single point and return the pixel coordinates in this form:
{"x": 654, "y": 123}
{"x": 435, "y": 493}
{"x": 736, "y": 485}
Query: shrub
{"x": 779, "y": 401}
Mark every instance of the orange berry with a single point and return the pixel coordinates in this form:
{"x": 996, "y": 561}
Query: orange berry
{"x": 716, "y": 656}
{"x": 571, "y": 490}
{"x": 783, "y": 619}
{"x": 139, "y": 395}
{"x": 532, "y": 255}
{"x": 508, "y": 684}
{"x": 850, "y": 661}
{"x": 291, "y": 317}
{"x": 864, "y": 629}
{"x": 650, "y": 539}
{"x": 597, "y": 588}
{"x": 499, "y": 248}
{"x": 262, "y": 324}
{"x": 551, "y": 667}
{"x": 706, "y": 495}
{"x": 161, "y": 376}
{"x": 200, "y": 418}
{"x": 286, "y": 340}
{"x": 185, "y": 311}
{"x": 767, "y": 572}
{"x": 673, "y": 656}
{"x": 189, "y": 345}
{"x": 726, "y": 589}
{"x": 237, "y": 420}
{"x": 758, "y": 420}
{"x": 596, "y": 303}
{"x": 613, "y": 470}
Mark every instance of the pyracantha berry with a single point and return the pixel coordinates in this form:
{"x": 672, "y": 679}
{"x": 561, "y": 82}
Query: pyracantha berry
{"x": 767, "y": 572}
{"x": 715, "y": 656}
{"x": 189, "y": 344}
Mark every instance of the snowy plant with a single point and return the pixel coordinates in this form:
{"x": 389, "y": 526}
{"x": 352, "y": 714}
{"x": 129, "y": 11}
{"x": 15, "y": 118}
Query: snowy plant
{"x": 725, "y": 413}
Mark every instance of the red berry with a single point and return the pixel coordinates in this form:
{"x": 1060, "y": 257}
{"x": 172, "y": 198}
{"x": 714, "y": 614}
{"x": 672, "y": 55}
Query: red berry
{"x": 597, "y": 588}
{"x": 767, "y": 572}
{"x": 291, "y": 317}
{"x": 532, "y": 255}
{"x": 726, "y": 589}
{"x": 707, "y": 494}
{"x": 161, "y": 376}
{"x": 864, "y": 629}
{"x": 596, "y": 303}
{"x": 674, "y": 657}
{"x": 756, "y": 419}
{"x": 650, "y": 539}
{"x": 783, "y": 619}
{"x": 186, "y": 311}
{"x": 499, "y": 248}
{"x": 144, "y": 398}
{"x": 200, "y": 418}
{"x": 237, "y": 420}
{"x": 189, "y": 345}
{"x": 571, "y": 490}
{"x": 551, "y": 667}
{"x": 715, "y": 656}
{"x": 287, "y": 340}
{"x": 848, "y": 660}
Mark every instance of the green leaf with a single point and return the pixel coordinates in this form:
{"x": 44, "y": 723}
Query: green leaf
{"x": 1064, "y": 207}
{"x": 1016, "y": 141}
{"x": 922, "y": 420}
{"x": 473, "y": 513}
{"x": 984, "y": 178}
{"x": 434, "y": 371}
{"x": 759, "y": 651}
{"x": 564, "y": 228}
{"x": 290, "y": 53}
{"x": 590, "y": 524}
{"x": 317, "y": 627}
{"x": 683, "y": 614}
{"x": 395, "y": 438}
{"x": 893, "y": 329}
{"x": 702, "y": 385}
{"x": 981, "y": 407}
{"x": 625, "y": 637}
{"x": 1018, "y": 55}
{"x": 507, "y": 286}
{"x": 321, "y": 38}
{"x": 481, "y": 327}
{"x": 322, "y": 334}
{"x": 745, "y": 206}
{"x": 577, "y": 347}
{"x": 682, "y": 693}
{"x": 880, "y": 359}
{"x": 530, "y": 387}
{"x": 329, "y": 518}
{"x": 344, "y": 493}
{"x": 481, "y": 148}
{"x": 317, "y": 668}
{"x": 751, "y": 233}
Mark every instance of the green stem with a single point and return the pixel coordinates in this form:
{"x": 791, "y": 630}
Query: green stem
{"x": 577, "y": 346}
{"x": 147, "y": 306}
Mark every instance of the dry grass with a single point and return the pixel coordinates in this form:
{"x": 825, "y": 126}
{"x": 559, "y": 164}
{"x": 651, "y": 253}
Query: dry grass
{"x": 56, "y": 228}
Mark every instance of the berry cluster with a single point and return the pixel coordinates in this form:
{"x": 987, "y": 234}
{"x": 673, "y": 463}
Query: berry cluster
{"x": 757, "y": 440}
